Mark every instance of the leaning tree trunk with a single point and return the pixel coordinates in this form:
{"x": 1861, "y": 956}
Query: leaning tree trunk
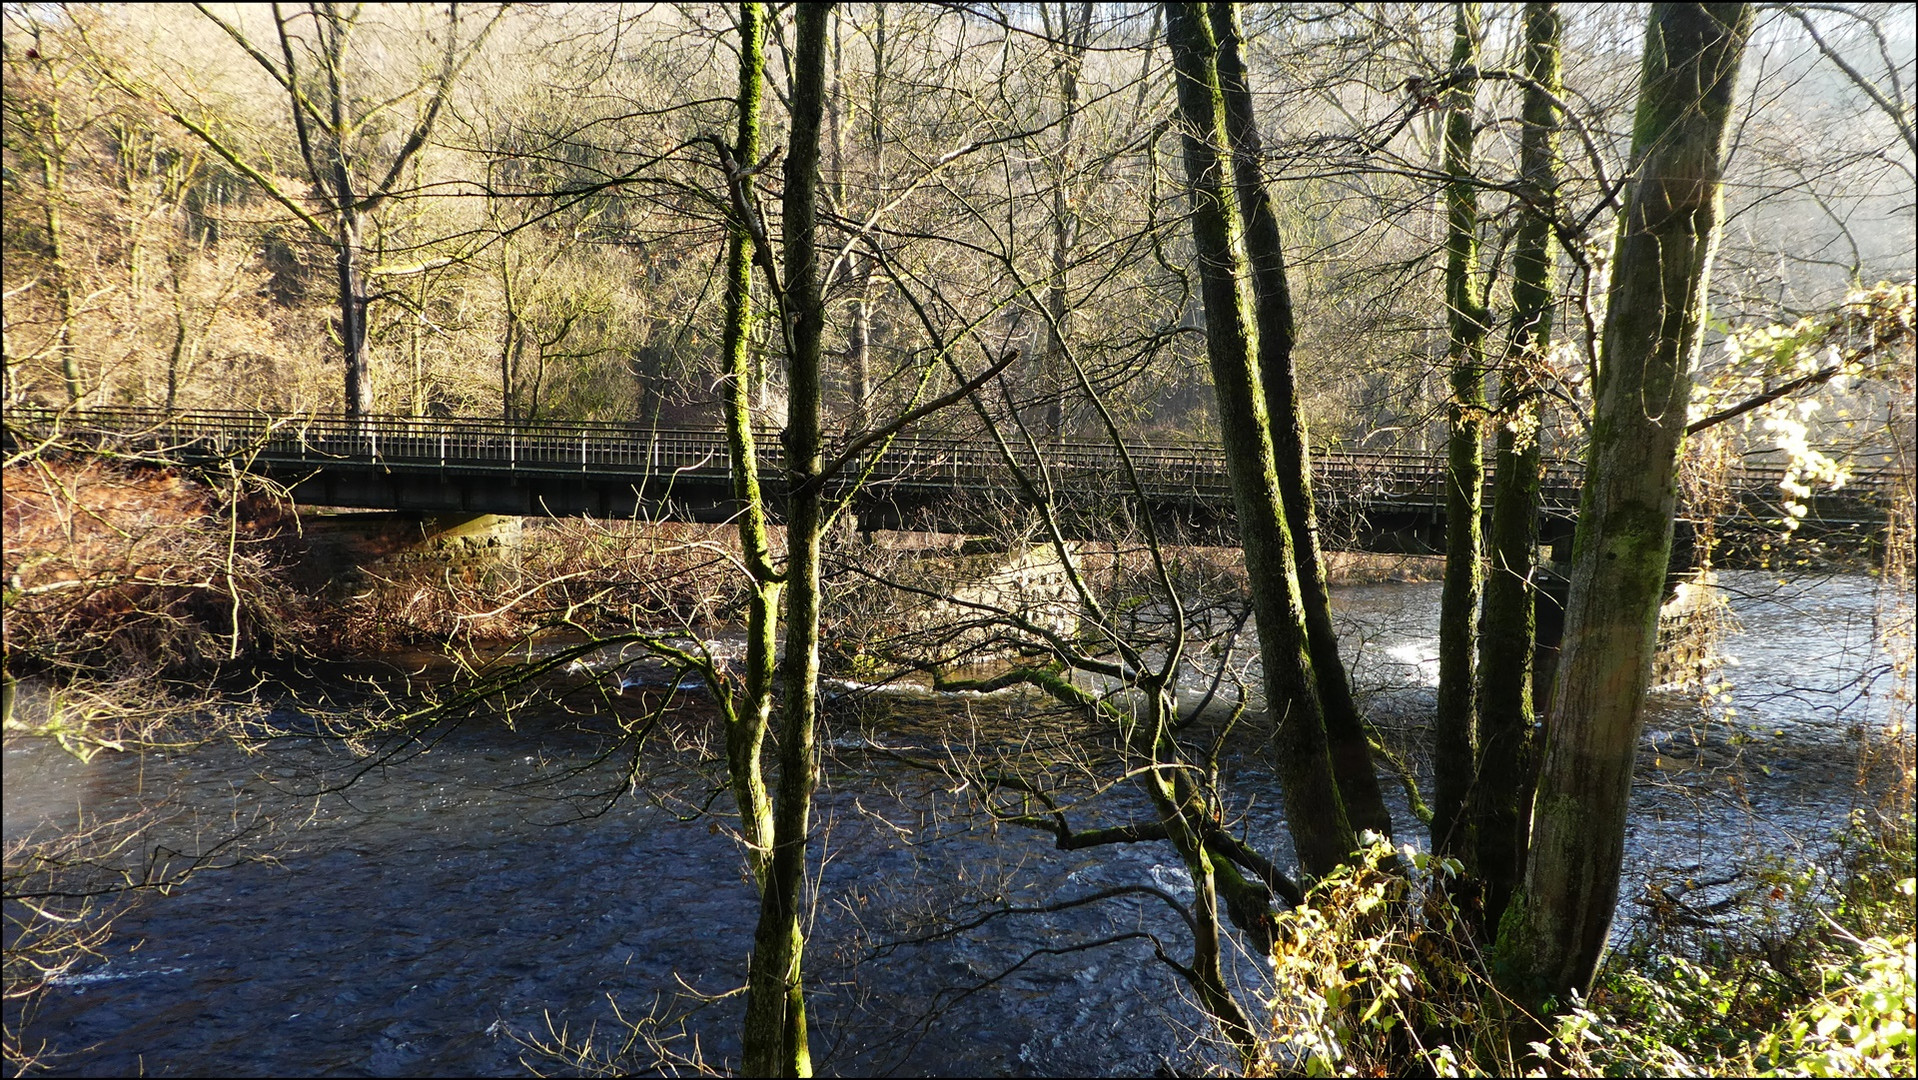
{"x": 1455, "y": 726}
{"x": 775, "y": 1035}
{"x": 1500, "y": 801}
{"x": 1556, "y": 930}
{"x": 1320, "y": 830}
{"x": 1345, "y": 729}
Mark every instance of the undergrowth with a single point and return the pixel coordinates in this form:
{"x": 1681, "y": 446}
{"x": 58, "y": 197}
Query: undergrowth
{"x": 1811, "y": 974}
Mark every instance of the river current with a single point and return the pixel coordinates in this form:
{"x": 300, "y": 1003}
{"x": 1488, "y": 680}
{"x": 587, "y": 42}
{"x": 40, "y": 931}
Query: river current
{"x": 446, "y": 907}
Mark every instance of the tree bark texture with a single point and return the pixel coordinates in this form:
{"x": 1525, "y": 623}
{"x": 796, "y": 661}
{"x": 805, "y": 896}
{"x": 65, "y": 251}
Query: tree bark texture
{"x": 359, "y": 368}
{"x": 1185, "y": 813}
{"x": 1554, "y": 933}
{"x": 1075, "y": 26}
{"x": 1265, "y": 255}
{"x": 1321, "y": 832}
{"x": 748, "y": 721}
{"x": 53, "y": 174}
{"x": 1501, "y": 795}
{"x": 1455, "y": 725}
{"x": 775, "y": 1035}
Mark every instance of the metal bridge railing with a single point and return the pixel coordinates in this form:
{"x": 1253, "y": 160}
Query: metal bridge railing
{"x": 613, "y": 449}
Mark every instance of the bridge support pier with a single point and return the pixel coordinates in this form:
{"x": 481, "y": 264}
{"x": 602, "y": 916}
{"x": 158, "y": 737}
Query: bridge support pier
{"x": 352, "y": 553}
{"x": 954, "y": 622}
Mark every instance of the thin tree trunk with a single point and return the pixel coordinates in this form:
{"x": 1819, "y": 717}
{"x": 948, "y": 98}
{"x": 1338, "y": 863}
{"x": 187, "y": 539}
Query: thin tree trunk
{"x": 1073, "y": 32}
{"x": 351, "y": 220}
{"x": 859, "y": 328}
{"x": 53, "y": 173}
{"x": 859, "y": 353}
{"x": 1265, "y": 253}
{"x": 748, "y": 722}
{"x": 1501, "y": 797}
{"x": 416, "y": 330}
{"x": 775, "y": 1036}
{"x": 1557, "y": 929}
{"x": 416, "y": 343}
{"x": 1455, "y": 725}
{"x": 863, "y": 306}
{"x": 1184, "y": 814}
{"x": 509, "y": 349}
{"x": 177, "y": 355}
{"x": 1320, "y": 830}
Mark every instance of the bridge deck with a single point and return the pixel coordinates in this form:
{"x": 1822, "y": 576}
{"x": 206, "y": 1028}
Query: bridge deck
{"x": 619, "y": 470}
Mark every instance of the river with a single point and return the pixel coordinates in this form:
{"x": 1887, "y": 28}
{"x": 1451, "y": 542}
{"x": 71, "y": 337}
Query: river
{"x": 447, "y": 905}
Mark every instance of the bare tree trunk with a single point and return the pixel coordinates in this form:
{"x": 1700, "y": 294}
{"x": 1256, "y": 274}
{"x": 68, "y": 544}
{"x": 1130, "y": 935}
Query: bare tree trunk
{"x": 509, "y": 348}
{"x": 1501, "y": 796}
{"x": 862, "y": 309}
{"x": 1555, "y": 931}
{"x": 1073, "y": 32}
{"x": 177, "y": 354}
{"x": 1184, "y": 813}
{"x": 416, "y": 346}
{"x": 775, "y": 1035}
{"x": 859, "y": 330}
{"x": 1320, "y": 829}
{"x": 359, "y": 374}
{"x": 350, "y": 216}
{"x": 1265, "y": 253}
{"x": 859, "y": 353}
{"x": 53, "y": 172}
{"x": 1455, "y": 726}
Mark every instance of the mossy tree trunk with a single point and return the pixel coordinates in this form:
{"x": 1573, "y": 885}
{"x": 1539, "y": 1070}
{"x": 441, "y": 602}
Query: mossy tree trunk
{"x": 1321, "y": 832}
{"x": 1265, "y": 255}
{"x": 1500, "y": 800}
{"x": 1455, "y": 725}
{"x": 775, "y": 1033}
{"x": 748, "y": 719}
{"x": 1553, "y": 934}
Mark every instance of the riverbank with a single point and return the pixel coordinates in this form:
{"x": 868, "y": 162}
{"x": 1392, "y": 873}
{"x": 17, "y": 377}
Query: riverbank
{"x": 119, "y": 572}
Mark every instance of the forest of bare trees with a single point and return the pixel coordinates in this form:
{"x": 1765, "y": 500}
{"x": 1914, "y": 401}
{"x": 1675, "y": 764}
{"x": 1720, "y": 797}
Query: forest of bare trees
{"x": 531, "y": 220}
{"x": 1658, "y": 242}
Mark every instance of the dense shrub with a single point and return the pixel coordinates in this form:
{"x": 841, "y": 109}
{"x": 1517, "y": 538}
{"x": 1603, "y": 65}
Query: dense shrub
{"x": 116, "y": 570}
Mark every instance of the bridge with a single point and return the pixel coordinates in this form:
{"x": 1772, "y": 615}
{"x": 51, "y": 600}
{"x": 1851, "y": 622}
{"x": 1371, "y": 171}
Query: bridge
{"x": 1375, "y": 501}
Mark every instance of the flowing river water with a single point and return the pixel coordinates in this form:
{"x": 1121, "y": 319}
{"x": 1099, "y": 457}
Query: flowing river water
{"x": 446, "y": 906}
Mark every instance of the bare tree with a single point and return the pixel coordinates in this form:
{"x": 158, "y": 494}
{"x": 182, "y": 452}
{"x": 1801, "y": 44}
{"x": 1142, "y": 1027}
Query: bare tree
{"x": 339, "y": 128}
